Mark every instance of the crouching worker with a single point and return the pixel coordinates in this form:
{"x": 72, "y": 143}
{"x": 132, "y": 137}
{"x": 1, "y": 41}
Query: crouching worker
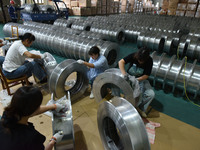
{"x": 97, "y": 64}
{"x": 15, "y": 130}
{"x": 140, "y": 66}
{"x": 15, "y": 65}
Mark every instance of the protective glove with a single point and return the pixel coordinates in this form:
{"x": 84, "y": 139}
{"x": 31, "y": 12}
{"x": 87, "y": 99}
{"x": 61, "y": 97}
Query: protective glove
{"x": 60, "y": 108}
{"x": 43, "y": 56}
{"x": 4, "y": 42}
{"x": 80, "y": 61}
{"x": 57, "y": 137}
{"x": 126, "y": 77}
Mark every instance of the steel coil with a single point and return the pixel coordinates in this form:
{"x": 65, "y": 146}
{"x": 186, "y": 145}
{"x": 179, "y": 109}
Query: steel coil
{"x": 112, "y": 77}
{"x": 170, "y": 72}
{"x": 65, "y": 125}
{"x": 67, "y": 45}
{"x": 120, "y": 126}
{"x": 61, "y": 73}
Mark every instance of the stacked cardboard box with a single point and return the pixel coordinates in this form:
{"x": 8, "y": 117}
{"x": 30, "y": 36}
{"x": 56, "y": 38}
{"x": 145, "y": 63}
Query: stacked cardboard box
{"x": 181, "y": 9}
{"x": 172, "y": 7}
{"x": 191, "y": 8}
{"x": 197, "y": 15}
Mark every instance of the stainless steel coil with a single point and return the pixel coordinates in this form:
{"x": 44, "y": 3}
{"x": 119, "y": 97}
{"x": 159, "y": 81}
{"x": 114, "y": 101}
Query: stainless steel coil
{"x": 170, "y": 72}
{"x": 120, "y": 126}
{"x": 109, "y": 78}
{"x": 114, "y": 34}
{"x": 28, "y": 8}
{"x": 64, "y": 23}
{"x": 67, "y": 45}
{"x": 61, "y": 73}
{"x": 64, "y": 124}
{"x": 81, "y": 25}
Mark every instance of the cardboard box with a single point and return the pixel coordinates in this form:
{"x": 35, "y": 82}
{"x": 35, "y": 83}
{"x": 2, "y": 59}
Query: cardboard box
{"x": 183, "y": 1}
{"x": 198, "y": 8}
{"x": 98, "y": 10}
{"x": 93, "y": 3}
{"x": 78, "y": 11}
{"x": 165, "y": 4}
{"x": 103, "y": 9}
{"x": 93, "y": 10}
{"x": 123, "y": 2}
{"x": 192, "y": 7}
{"x": 74, "y": 3}
{"x": 192, "y": 1}
{"x": 171, "y": 11}
{"x": 182, "y": 6}
{"x": 104, "y": 2}
{"x": 84, "y": 3}
{"x": 123, "y": 9}
{"x": 180, "y": 13}
{"x": 190, "y": 13}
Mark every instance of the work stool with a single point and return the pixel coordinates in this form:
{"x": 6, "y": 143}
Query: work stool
{"x": 7, "y": 84}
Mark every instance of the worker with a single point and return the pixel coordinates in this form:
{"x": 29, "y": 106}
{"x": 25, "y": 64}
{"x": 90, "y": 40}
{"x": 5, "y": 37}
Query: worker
{"x": 15, "y": 64}
{"x": 15, "y": 129}
{"x": 97, "y": 64}
{"x": 12, "y": 10}
{"x": 140, "y": 66}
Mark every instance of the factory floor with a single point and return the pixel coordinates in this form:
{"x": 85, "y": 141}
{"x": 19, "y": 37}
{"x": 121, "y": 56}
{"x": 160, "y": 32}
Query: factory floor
{"x": 171, "y": 135}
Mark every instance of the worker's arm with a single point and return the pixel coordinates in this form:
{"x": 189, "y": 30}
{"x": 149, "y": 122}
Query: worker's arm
{"x": 30, "y": 55}
{"x": 43, "y": 109}
{"x": 144, "y": 77}
{"x": 121, "y": 64}
{"x": 90, "y": 65}
{"x": 50, "y": 145}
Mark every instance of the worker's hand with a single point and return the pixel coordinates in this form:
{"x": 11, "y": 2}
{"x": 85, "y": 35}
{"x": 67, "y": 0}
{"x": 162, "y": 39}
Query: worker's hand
{"x": 60, "y": 108}
{"x": 57, "y": 137}
{"x": 133, "y": 80}
{"x": 4, "y": 42}
{"x": 126, "y": 77}
{"x": 80, "y": 61}
{"x": 43, "y": 56}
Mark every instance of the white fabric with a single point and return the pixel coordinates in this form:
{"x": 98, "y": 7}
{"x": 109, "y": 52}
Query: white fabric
{"x": 14, "y": 57}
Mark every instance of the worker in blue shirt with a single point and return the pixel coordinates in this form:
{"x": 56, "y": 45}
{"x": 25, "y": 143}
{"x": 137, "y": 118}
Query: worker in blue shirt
{"x": 12, "y": 10}
{"x": 97, "y": 64}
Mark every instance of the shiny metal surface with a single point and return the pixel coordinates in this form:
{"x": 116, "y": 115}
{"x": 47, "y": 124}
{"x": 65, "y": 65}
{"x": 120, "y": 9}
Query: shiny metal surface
{"x": 121, "y": 127}
{"x": 106, "y": 80}
{"x": 60, "y": 74}
{"x": 64, "y": 44}
{"x": 171, "y": 72}
{"x": 64, "y": 124}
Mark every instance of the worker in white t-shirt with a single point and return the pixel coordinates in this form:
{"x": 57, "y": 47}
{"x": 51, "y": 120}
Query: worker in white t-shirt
{"x": 15, "y": 65}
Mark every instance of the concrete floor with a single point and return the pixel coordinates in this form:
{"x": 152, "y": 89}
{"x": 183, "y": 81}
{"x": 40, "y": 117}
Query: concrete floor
{"x": 172, "y": 135}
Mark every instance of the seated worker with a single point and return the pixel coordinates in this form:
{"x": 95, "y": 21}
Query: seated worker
{"x": 97, "y": 64}
{"x": 140, "y": 66}
{"x": 15, "y": 130}
{"x": 15, "y": 65}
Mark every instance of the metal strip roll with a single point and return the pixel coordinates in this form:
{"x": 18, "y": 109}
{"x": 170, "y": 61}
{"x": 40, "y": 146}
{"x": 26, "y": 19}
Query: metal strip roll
{"x": 70, "y": 46}
{"x": 61, "y": 73}
{"x": 170, "y": 72}
{"x": 64, "y": 23}
{"x": 121, "y": 127}
{"x": 112, "y": 77}
{"x": 64, "y": 124}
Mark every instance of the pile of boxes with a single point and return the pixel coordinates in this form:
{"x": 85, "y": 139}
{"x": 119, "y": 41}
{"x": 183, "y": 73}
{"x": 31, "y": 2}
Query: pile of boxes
{"x": 106, "y": 7}
{"x": 189, "y": 8}
{"x": 92, "y": 7}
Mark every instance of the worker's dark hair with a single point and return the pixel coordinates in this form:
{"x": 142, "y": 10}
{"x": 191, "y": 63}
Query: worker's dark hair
{"x": 27, "y": 36}
{"x": 94, "y": 50}
{"x": 142, "y": 54}
{"x": 25, "y": 101}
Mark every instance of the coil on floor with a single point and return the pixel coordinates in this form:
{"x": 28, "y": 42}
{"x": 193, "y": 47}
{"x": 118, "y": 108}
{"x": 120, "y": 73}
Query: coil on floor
{"x": 61, "y": 73}
{"x": 114, "y": 77}
{"x": 120, "y": 126}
